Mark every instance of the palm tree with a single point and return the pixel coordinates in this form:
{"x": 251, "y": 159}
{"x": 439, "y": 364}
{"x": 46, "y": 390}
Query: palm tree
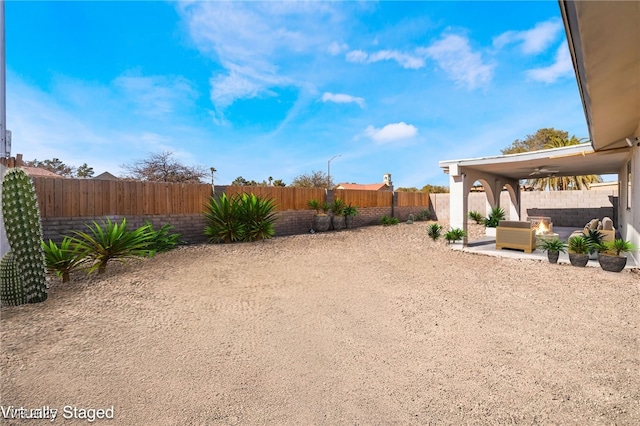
{"x": 563, "y": 183}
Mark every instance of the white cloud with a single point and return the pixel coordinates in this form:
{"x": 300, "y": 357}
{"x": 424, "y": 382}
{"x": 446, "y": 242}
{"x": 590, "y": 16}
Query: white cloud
{"x": 336, "y": 48}
{"x": 155, "y": 95}
{"x": 391, "y": 132}
{"x": 250, "y": 40}
{"x": 358, "y": 56}
{"x": 454, "y": 55}
{"x": 533, "y": 41}
{"x": 562, "y": 67}
{"x": 403, "y": 59}
{"x": 341, "y": 98}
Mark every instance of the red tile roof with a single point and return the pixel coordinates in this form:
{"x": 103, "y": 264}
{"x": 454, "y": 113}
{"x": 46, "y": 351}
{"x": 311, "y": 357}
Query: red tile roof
{"x": 366, "y": 187}
{"x": 39, "y": 172}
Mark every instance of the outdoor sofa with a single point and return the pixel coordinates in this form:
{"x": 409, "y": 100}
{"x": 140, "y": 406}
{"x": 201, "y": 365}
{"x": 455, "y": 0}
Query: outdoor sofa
{"x": 515, "y": 234}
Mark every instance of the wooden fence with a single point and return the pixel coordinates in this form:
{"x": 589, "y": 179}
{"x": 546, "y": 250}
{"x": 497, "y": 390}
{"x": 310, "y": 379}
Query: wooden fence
{"x": 363, "y": 198}
{"x": 286, "y": 198}
{"x": 412, "y": 199}
{"x": 88, "y": 197}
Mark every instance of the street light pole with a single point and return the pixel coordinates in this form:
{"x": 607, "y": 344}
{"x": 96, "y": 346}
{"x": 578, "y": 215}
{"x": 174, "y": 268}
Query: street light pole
{"x": 329, "y": 169}
{"x": 5, "y": 146}
{"x": 213, "y": 188}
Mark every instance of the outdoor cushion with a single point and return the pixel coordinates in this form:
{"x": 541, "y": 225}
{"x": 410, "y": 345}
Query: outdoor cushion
{"x": 514, "y": 224}
{"x": 593, "y": 224}
{"x": 607, "y": 224}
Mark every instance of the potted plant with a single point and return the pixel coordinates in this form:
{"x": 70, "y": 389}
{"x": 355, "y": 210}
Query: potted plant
{"x": 596, "y": 239}
{"x": 553, "y": 248}
{"x": 337, "y": 209}
{"x": 491, "y": 223}
{"x": 579, "y": 249}
{"x": 349, "y": 213}
{"x": 611, "y": 256}
{"x": 321, "y": 221}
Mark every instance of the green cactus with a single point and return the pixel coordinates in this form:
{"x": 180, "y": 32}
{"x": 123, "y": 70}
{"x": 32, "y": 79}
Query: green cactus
{"x": 24, "y": 233}
{"x": 11, "y": 291}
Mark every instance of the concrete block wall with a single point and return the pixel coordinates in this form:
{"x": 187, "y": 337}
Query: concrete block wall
{"x": 191, "y": 227}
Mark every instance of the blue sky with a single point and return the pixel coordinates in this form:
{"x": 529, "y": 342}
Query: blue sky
{"x": 263, "y": 89}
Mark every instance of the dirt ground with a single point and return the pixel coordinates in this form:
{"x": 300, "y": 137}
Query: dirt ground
{"x": 375, "y": 325}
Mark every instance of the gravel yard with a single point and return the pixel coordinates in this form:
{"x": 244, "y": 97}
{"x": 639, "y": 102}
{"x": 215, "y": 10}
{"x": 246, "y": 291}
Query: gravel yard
{"x": 376, "y": 325}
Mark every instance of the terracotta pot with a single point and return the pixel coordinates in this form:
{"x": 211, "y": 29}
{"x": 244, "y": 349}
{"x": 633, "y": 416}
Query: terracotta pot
{"x": 321, "y": 222}
{"x": 553, "y": 256}
{"x": 579, "y": 259}
{"x": 612, "y": 263}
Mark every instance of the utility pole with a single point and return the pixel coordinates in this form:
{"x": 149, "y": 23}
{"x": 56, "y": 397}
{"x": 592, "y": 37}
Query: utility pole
{"x": 5, "y": 136}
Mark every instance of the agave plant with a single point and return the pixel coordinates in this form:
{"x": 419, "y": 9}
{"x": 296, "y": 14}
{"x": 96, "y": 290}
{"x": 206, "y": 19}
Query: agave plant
{"x": 63, "y": 259}
{"x": 113, "y": 241}
{"x": 222, "y": 215}
{"x": 434, "y": 231}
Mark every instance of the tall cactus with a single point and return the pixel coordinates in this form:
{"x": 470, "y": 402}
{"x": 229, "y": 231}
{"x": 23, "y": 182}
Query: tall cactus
{"x": 24, "y": 232}
{"x": 11, "y": 287}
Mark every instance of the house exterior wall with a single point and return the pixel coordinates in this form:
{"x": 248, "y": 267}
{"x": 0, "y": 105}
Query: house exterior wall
{"x": 629, "y": 210}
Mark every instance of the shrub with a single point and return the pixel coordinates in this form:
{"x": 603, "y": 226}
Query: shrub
{"x": 497, "y": 214}
{"x": 410, "y": 220}
{"x": 386, "y": 220}
{"x": 63, "y": 259}
{"x": 454, "y": 235}
{"x": 423, "y": 215}
{"x": 476, "y": 216}
{"x": 112, "y": 241}
{"x": 243, "y": 217}
{"x": 434, "y": 231}
{"x": 162, "y": 240}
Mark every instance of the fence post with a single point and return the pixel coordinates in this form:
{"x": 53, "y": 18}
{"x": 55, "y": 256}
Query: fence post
{"x": 394, "y": 203}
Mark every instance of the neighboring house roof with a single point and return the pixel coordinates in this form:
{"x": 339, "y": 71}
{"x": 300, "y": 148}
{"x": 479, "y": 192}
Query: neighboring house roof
{"x": 39, "y": 172}
{"x": 106, "y": 176}
{"x": 366, "y": 187}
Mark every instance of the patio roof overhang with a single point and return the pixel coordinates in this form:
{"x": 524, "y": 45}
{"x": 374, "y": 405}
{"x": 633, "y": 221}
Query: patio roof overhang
{"x": 575, "y": 160}
{"x": 604, "y": 41}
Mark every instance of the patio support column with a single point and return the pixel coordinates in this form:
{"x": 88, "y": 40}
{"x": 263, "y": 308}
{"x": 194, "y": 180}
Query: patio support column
{"x": 459, "y": 187}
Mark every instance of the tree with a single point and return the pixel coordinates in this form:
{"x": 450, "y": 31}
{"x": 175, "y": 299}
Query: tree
{"x": 315, "y": 179}
{"x": 85, "y": 171}
{"x": 411, "y": 189}
{"x": 240, "y": 181}
{"x": 161, "y": 167}
{"x": 279, "y": 182}
{"x": 562, "y": 183}
{"x": 54, "y": 165}
{"x": 536, "y": 141}
{"x": 549, "y": 138}
{"x": 435, "y": 189}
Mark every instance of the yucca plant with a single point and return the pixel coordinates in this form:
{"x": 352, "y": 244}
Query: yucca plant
{"x": 63, "y": 259}
{"x": 257, "y": 216}
{"x": 495, "y": 216}
{"x": 113, "y": 241}
{"x": 222, "y": 214}
{"x": 434, "y": 231}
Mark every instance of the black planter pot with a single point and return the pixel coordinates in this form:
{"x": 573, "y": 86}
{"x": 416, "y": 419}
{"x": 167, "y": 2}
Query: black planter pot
{"x": 321, "y": 223}
{"x": 348, "y": 222}
{"x": 612, "y": 263}
{"x": 553, "y": 256}
{"x": 337, "y": 222}
{"x": 578, "y": 259}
